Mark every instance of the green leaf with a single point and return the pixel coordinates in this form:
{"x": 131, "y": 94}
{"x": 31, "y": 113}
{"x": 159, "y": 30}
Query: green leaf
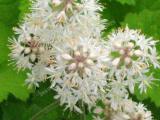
{"x": 114, "y": 13}
{"x": 147, "y": 21}
{"x": 9, "y": 12}
{"x": 10, "y": 81}
{"x": 5, "y": 32}
{"x": 24, "y": 8}
{"x": 151, "y": 5}
{"x": 129, "y": 2}
{"x": 41, "y": 106}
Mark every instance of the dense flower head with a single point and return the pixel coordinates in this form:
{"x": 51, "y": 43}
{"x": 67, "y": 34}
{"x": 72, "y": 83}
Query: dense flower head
{"x": 50, "y": 23}
{"x": 131, "y": 55}
{"x": 132, "y": 50}
{"x": 79, "y": 72}
{"x": 41, "y": 26}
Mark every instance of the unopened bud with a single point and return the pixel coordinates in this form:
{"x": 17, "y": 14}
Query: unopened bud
{"x": 130, "y": 45}
{"x": 92, "y": 55}
{"x": 106, "y": 102}
{"x": 35, "y": 50}
{"x": 61, "y": 17}
{"x": 115, "y": 62}
{"x": 78, "y": 6}
{"x": 77, "y": 53}
{"x": 130, "y": 53}
{"x": 122, "y": 52}
{"x": 127, "y": 60}
{"x": 56, "y": 2}
{"x": 32, "y": 57}
{"x": 89, "y": 62}
{"x": 138, "y": 53}
{"x": 98, "y": 110}
{"x": 126, "y": 117}
{"x": 20, "y": 49}
{"x": 66, "y": 57}
{"x": 41, "y": 49}
{"x": 87, "y": 71}
{"x": 80, "y": 65}
{"x": 28, "y": 38}
{"x": 118, "y": 44}
{"x": 69, "y": 6}
{"x": 27, "y": 50}
{"x": 85, "y": 49}
{"x": 72, "y": 66}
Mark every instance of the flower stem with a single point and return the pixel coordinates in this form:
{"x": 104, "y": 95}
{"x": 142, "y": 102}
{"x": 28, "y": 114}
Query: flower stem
{"x": 43, "y": 111}
{"x": 84, "y": 112}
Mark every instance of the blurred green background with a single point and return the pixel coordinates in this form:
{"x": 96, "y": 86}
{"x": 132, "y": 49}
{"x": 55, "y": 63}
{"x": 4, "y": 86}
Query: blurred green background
{"x": 19, "y": 103}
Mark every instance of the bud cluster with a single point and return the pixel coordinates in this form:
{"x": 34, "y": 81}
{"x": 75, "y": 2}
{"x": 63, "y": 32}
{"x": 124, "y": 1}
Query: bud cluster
{"x": 65, "y": 8}
{"x": 126, "y": 52}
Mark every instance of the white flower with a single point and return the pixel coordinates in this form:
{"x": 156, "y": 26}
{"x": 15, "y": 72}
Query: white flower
{"x": 131, "y": 56}
{"x": 117, "y": 93}
{"x": 79, "y": 72}
{"x": 26, "y": 52}
{"x": 51, "y": 23}
{"x": 128, "y": 110}
{"x": 56, "y": 2}
{"x": 142, "y": 113}
{"x": 18, "y": 54}
{"x": 32, "y": 81}
{"x": 130, "y": 47}
{"x": 145, "y": 82}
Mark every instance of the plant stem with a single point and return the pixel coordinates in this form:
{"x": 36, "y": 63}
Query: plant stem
{"x": 84, "y": 112}
{"x": 43, "y": 111}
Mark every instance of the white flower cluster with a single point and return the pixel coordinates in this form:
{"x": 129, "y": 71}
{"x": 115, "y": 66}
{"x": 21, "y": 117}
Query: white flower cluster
{"x": 131, "y": 56}
{"x": 129, "y": 110}
{"x": 60, "y": 41}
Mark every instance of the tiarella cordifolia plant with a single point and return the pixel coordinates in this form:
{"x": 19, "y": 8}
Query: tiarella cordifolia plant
{"x": 60, "y": 41}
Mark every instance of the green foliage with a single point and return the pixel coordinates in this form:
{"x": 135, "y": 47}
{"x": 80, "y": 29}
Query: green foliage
{"x": 115, "y": 13}
{"x": 24, "y": 8}
{"x": 10, "y": 81}
{"x": 9, "y": 12}
{"x": 147, "y": 21}
{"x": 40, "y": 106}
{"x": 129, "y": 2}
